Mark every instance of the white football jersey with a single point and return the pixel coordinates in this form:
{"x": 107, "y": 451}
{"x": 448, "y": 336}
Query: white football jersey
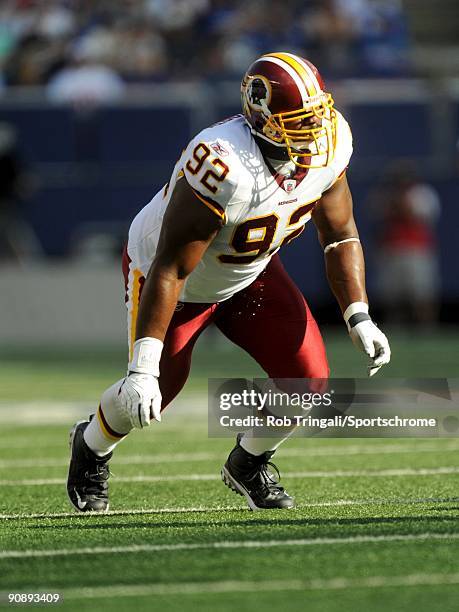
{"x": 261, "y": 210}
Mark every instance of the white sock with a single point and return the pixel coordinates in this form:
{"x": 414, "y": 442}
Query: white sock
{"x": 255, "y": 443}
{"x": 108, "y": 426}
{"x": 264, "y": 437}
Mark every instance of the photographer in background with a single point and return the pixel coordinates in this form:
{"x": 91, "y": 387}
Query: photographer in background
{"x": 407, "y": 209}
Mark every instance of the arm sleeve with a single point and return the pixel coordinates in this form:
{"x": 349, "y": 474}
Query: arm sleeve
{"x": 210, "y": 170}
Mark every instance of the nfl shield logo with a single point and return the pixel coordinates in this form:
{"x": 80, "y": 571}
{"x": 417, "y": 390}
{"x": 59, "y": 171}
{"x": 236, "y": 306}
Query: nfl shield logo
{"x": 289, "y": 185}
{"x": 218, "y": 148}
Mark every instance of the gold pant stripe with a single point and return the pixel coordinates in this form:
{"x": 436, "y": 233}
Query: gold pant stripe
{"x": 135, "y": 297}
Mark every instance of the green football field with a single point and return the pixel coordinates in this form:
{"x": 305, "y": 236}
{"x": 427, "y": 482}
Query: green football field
{"x": 376, "y": 527}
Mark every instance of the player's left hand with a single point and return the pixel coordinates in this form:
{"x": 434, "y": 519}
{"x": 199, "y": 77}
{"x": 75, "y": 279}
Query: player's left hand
{"x": 367, "y": 337}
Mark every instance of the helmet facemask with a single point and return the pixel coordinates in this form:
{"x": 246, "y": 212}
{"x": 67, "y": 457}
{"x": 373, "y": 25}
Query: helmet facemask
{"x": 308, "y": 134}
{"x": 311, "y": 129}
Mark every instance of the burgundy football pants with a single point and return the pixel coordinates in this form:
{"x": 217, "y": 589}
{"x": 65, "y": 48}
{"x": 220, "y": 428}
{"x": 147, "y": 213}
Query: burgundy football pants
{"x": 270, "y": 320}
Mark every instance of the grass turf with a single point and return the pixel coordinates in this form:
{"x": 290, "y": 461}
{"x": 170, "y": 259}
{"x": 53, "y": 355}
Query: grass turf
{"x": 342, "y": 553}
{"x": 80, "y": 373}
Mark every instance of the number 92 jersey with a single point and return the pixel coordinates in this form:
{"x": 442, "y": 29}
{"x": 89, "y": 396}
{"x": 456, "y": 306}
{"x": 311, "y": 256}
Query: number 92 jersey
{"x": 261, "y": 211}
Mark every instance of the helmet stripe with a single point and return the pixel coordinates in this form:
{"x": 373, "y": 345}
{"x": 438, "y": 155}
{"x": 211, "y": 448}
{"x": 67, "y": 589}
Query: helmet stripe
{"x": 291, "y": 72}
{"x": 309, "y": 70}
{"x": 305, "y": 73}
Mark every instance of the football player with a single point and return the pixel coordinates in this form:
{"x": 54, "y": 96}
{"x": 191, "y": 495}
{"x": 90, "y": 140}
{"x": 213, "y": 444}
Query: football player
{"x": 204, "y": 251}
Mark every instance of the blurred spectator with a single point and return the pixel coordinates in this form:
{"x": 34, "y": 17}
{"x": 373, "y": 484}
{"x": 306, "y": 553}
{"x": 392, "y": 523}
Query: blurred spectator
{"x": 380, "y": 36}
{"x": 256, "y": 28}
{"x": 88, "y": 80}
{"x": 147, "y": 57}
{"x": 55, "y": 20}
{"x": 406, "y": 209}
{"x": 32, "y": 60}
{"x": 18, "y": 241}
{"x": 176, "y": 14}
{"x": 155, "y": 39}
{"x": 330, "y": 35}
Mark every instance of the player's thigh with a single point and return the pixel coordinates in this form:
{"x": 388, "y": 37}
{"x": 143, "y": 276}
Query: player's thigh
{"x": 187, "y": 324}
{"x": 272, "y": 322}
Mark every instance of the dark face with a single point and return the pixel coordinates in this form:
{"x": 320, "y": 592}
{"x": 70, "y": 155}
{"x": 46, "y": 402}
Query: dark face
{"x": 274, "y": 152}
{"x": 306, "y": 123}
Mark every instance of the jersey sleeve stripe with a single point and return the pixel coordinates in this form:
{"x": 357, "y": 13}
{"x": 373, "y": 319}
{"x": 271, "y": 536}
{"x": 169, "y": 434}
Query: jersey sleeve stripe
{"x": 338, "y": 177}
{"x": 214, "y": 206}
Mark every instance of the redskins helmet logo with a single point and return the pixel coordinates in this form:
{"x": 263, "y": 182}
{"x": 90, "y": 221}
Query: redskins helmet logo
{"x": 258, "y": 93}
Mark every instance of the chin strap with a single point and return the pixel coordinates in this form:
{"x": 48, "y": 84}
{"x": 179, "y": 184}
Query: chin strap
{"x": 333, "y": 245}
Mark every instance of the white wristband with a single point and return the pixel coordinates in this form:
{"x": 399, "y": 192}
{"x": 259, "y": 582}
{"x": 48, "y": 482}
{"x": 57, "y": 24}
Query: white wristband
{"x": 354, "y": 308}
{"x": 146, "y": 356}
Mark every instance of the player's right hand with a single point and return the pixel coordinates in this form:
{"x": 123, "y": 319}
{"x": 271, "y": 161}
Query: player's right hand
{"x": 140, "y": 399}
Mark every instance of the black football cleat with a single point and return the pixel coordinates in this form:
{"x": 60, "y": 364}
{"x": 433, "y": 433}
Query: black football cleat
{"x": 249, "y": 475}
{"x": 87, "y": 482}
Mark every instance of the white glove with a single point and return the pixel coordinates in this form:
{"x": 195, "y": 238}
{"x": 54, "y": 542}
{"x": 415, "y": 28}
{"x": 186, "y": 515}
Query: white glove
{"x": 366, "y": 336}
{"x": 140, "y": 399}
{"x": 139, "y": 396}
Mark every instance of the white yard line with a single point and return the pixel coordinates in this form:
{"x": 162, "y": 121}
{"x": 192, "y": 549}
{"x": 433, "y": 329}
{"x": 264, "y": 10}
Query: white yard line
{"x": 204, "y": 509}
{"x": 207, "y": 456}
{"x": 209, "y": 477}
{"x": 45, "y": 413}
{"x": 141, "y": 548}
{"x": 129, "y": 512}
{"x": 234, "y": 586}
